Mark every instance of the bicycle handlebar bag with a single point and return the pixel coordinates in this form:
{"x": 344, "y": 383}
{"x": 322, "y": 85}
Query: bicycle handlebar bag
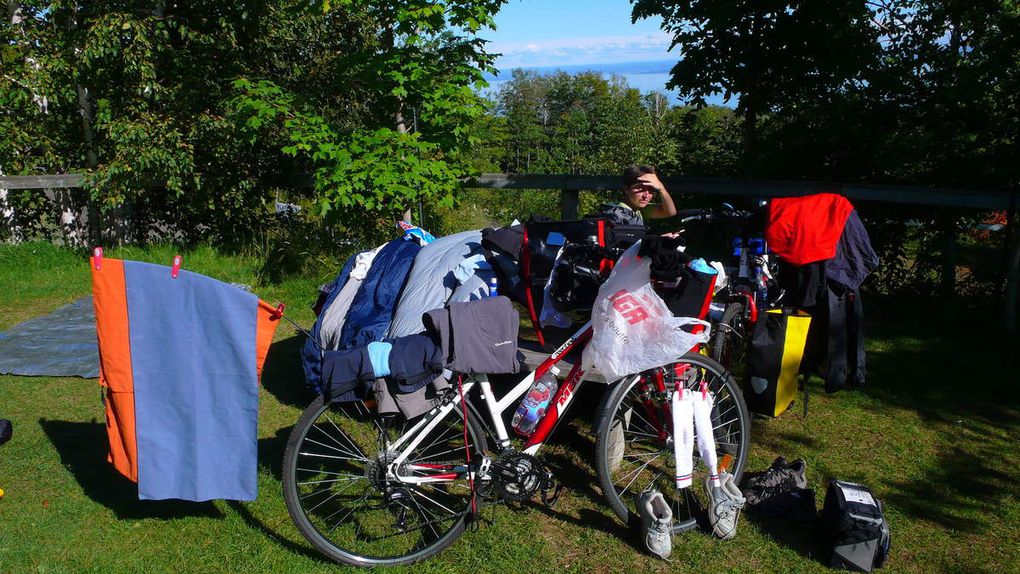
{"x": 543, "y": 242}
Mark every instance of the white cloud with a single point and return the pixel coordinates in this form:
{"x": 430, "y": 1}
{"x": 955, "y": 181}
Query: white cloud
{"x": 582, "y": 50}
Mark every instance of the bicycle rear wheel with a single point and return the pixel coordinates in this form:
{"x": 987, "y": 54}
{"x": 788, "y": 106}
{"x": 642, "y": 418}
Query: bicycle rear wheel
{"x": 729, "y": 337}
{"x": 344, "y": 502}
{"x": 635, "y": 445}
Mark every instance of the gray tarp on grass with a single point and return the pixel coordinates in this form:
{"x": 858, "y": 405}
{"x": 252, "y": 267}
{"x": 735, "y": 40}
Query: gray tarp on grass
{"x": 61, "y": 344}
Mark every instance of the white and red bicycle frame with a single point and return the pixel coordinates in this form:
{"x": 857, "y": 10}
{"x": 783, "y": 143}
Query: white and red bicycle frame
{"x": 425, "y": 473}
{"x": 419, "y": 473}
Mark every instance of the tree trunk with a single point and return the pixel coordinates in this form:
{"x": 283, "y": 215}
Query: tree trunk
{"x": 948, "y": 274}
{"x": 88, "y": 134}
{"x": 1012, "y": 270}
{"x": 389, "y": 42}
{"x": 749, "y": 136}
{"x": 750, "y": 101}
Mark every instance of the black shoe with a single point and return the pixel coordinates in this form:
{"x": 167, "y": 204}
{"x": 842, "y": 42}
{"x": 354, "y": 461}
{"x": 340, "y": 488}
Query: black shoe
{"x": 797, "y": 504}
{"x": 780, "y": 478}
{"x": 798, "y": 469}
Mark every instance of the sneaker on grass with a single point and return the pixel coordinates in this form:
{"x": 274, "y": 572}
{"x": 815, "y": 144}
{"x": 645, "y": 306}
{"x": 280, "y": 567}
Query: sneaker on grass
{"x": 725, "y": 502}
{"x": 780, "y": 478}
{"x": 656, "y": 522}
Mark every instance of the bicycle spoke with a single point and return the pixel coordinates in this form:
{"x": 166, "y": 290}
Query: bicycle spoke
{"x": 644, "y": 458}
{"x": 331, "y": 480}
{"x": 323, "y": 445}
{"x": 350, "y": 443}
{"x": 345, "y": 500}
{"x": 637, "y": 472}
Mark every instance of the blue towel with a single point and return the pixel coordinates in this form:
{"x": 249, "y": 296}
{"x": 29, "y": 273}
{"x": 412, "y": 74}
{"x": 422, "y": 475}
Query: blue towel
{"x": 379, "y": 355}
{"x": 700, "y": 266}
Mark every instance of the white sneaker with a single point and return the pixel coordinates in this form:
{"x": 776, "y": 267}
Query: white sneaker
{"x": 656, "y": 522}
{"x": 726, "y": 500}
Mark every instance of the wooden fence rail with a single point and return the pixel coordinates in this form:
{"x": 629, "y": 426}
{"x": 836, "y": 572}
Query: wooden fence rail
{"x": 570, "y": 186}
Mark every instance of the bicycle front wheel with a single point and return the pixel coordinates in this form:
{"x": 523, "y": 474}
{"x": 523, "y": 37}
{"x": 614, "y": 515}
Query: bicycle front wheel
{"x": 635, "y": 438}
{"x": 343, "y": 495}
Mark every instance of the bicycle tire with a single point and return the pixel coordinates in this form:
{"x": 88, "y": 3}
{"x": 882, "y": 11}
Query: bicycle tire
{"x": 729, "y": 337}
{"x": 734, "y": 427}
{"x": 314, "y": 450}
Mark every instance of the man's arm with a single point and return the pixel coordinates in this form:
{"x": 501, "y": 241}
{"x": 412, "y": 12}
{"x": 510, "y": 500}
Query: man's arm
{"x": 666, "y": 208}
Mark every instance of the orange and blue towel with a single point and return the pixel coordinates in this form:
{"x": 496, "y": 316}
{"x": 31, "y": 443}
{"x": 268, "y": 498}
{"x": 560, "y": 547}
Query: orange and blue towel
{"x": 180, "y": 360}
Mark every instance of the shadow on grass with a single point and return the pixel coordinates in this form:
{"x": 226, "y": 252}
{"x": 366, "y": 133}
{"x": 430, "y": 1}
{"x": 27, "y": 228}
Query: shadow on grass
{"x": 283, "y": 376}
{"x": 776, "y": 440}
{"x": 82, "y": 448}
{"x": 797, "y": 536}
{"x": 255, "y": 523}
{"x": 952, "y": 368}
{"x": 271, "y": 452}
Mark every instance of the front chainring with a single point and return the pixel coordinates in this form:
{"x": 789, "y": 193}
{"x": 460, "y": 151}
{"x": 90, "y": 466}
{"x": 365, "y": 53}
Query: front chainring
{"x": 518, "y": 476}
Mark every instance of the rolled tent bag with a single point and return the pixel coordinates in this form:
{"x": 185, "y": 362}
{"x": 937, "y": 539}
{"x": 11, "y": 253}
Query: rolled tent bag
{"x": 777, "y": 347}
{"x": 852, "y": 528}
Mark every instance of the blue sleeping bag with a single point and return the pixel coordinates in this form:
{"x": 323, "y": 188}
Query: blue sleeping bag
{"x": 311, "y": 361}
{"x": 373, "y": 306}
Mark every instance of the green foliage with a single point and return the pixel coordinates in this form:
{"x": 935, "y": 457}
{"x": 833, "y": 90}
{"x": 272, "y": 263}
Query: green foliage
{"x": 420, "y": 78}
{"x": 575, "y": 124}
{"x": 142, "y": 98}
{"x": 770, "y": 55}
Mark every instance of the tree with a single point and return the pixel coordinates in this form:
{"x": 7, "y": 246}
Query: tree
{"x": 771, "y": 55}
{"x": 421, "y": 77}
{"x": 159, "y": 102}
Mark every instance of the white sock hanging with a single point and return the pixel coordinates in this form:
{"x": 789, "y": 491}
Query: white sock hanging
{"x": 692, "y": 410}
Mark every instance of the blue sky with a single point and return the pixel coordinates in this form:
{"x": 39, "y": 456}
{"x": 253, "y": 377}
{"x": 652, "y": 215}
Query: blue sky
{"x": 540, "y": 33}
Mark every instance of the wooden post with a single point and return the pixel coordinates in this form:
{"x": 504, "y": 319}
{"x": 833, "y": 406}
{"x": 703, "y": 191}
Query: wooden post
{"x": 948, "y": 283}
{"x": 1013, "y": 268}
{"x": 570, "y": 199}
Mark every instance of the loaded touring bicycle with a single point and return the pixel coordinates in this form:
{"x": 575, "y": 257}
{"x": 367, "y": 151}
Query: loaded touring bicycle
{"x": 369, "y": 490}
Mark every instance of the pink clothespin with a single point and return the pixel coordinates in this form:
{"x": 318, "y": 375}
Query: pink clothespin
{"x": 97, "y": 257}
{"x": 175, "y": 267}
{"x": 704, "y": 391}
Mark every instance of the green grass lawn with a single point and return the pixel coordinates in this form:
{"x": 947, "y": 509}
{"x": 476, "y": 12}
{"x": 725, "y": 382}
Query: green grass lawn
{"x": 935, "y": 435}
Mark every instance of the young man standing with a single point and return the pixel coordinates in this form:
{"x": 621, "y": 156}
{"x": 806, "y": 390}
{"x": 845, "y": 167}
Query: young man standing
{"x": 640, "y": 184}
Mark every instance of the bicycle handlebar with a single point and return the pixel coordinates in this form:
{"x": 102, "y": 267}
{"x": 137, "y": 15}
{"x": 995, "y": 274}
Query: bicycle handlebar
{"x": 710, "y": 214}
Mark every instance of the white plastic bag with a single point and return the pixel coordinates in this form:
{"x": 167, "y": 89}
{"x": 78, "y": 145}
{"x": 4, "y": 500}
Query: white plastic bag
{"x": 634, "y": 330}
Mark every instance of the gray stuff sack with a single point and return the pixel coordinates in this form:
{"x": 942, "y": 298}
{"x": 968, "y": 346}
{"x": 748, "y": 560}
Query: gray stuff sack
{"x": 477, "y": 336}
{"x": 853, "y": 528}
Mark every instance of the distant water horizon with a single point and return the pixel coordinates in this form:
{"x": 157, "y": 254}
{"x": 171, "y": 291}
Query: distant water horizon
{"x": 649, "y": 76}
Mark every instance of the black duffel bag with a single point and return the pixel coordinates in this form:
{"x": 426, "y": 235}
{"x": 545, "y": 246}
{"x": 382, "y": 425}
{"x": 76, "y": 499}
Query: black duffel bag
{"x": 6, "y": 430}
{"x": 853, "y": 529}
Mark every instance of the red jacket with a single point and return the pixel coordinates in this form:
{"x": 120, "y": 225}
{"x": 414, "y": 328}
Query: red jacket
{"x": 802, "y": 230}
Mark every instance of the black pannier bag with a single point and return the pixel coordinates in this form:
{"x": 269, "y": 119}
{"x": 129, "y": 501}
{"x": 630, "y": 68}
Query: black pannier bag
{"x": 773, "y": 362}
{"x": 580, "y": 271}
{"x": 543, "y": 241}
{"x": 853, "y": 530}
{"x": 691, "y": 295}
{"x": 6, "y": 430}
